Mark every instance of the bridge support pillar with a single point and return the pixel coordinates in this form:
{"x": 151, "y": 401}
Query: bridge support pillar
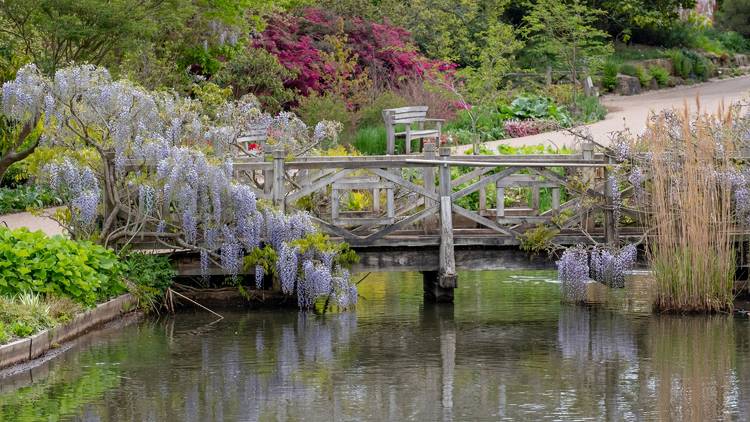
{"x": 433, "y": 291}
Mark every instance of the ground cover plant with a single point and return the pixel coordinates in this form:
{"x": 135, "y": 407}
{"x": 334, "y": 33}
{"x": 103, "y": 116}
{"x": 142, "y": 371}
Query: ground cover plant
{"x": 22, "y": 198}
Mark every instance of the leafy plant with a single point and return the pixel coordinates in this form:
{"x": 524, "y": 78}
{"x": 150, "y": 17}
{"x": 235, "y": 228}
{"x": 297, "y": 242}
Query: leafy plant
{"x": 33, "y": 262}
{"x": 683, "y": 66}
{"x": 609, "y": 76}
{"x": 660, "y": 74}
{"x": 21, "y": 329}
{"x": 644, "y": 77}
{"x": 150, "y": 275}
{"x": 22, "y": 198}
{"x": 371, "y": 140}
{"x": 538, "y": 239}
{"x": 628, "y": 69}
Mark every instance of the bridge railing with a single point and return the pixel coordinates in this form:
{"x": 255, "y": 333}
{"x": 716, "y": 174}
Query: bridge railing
{"x": 415, "y": 199}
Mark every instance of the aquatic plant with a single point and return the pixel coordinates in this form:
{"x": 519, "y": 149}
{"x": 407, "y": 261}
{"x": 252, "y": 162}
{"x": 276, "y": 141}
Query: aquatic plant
{"x": 689, "y": 207}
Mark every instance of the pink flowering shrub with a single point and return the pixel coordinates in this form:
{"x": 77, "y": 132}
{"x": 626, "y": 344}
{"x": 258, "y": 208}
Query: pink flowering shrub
{"x": 520, "y": 128}
{"x": 384, "y": 51}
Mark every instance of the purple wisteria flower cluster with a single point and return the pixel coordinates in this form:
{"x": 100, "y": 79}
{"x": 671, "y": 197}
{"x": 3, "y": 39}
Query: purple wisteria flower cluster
{"x": 578, "y": 265}
{"x": 165, "y": 167}
{"x": 609, "y": 267}
{"x": 573, "y": 273}
{"x": 79, "y": 186}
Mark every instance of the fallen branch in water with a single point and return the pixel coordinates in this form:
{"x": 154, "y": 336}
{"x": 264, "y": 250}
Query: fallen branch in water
{"x": 171, "y": 292}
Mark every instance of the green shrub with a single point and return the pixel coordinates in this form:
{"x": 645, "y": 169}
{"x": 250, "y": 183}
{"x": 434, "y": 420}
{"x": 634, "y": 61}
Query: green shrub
{"x": 702, "y": 67}
{"x": 315, "y": 108}
{"x": 589, "y": 110}
{"x": 33, "y": 262}
{"x": 21, "y": 329}
{"x": 372, "y": 141}
{"x": 644, "y": 77}
{"x": 22, "y": 198}
{"x": 734, "y": 42}
{"x": 609, "y": 77}
{"x": 660, "y": 74}
{"x": 526, "y": 107}
{"x": 683, "y": 65}
{"x": 258, "y": 72}
{"x": 628, "y": 69}
{"x": 25, "y": 314}
{"x": 150, "y": 275}
{"x": 371, "y": 114}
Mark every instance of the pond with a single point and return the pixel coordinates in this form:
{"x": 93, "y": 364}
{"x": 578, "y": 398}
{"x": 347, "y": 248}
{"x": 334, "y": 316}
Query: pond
{"x": 507, "y": 349}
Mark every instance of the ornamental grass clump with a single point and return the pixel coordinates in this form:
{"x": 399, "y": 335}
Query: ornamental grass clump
{"x": 691, "y": 216}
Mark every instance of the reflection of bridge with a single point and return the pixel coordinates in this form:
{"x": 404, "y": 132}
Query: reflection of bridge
{"x": 434, "y": 212}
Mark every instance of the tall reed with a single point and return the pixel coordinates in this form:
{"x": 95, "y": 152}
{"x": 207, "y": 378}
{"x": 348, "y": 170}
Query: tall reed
{"x": 691, "y": 250}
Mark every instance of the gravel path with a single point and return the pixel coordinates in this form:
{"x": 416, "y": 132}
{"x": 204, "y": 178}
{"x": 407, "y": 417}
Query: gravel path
{"x": 33, "y": 222}
{"x": 633, "y": 111}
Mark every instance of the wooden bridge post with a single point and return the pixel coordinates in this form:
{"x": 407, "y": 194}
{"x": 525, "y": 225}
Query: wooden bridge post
{"x": 278, "y": 178}
{"x": 447, "y": 277}
{"x": 428, "y": 180}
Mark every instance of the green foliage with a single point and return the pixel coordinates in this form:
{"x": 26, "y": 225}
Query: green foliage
{"x": 56, "y": 32}
{"x": 315, "y": 108}
{"x": 609, "y": 76}
{"x": 258, "y": 72}
{"x": 734, "y": 15}
{"x": 734, "y": 41}
{"x": 25, "y": 314}
{"x": 565, "y": 34}
{"x": 589, "y": 110}
{"x": 345, "y": 256}
{"x": 33, "y": 262}
{"x": 527, "y": 107}
{"x": 483, "y": 82}
{"x": 149, "y": 276}
{"x": 371, "y": 140}
{"x": 23, "y": 198}
{"x": 660, "y": 74}
{"x": 370, "y": 115}
{"x": 644, "y": 77}
{"x": 444, "y": 29}
{"x": 265, "y": 257}
{"x": 683, "y": 65}
{"x": 629, "y": 18}
{"x": 21, "y": 329}
{"x": 211, "y": 96}
{"x": 628, "y": 69}
{"x": 538, "y": 239}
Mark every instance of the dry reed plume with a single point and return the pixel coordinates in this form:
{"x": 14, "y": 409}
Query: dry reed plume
{"x": 691, "y": 250}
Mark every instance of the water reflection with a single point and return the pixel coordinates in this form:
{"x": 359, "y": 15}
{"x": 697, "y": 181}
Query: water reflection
{"x": 506, "y": 350}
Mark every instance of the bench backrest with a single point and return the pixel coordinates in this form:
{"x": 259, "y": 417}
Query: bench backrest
{"x": 405, "y": 114}
{"x": 256, "y": 134}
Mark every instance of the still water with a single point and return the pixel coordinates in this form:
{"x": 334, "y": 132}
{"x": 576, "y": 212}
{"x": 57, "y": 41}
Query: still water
{"x": 507, "y": 349}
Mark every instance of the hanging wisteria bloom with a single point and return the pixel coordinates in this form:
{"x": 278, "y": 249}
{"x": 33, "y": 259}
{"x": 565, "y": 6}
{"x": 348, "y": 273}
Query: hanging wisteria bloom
{"x": 573, "y": 273}
{"x": 161, "y": 164}
{"x": 610, "y": 267}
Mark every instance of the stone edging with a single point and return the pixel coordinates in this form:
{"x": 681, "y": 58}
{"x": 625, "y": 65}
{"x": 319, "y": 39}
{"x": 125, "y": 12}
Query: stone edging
{"x": 32, "y": 347}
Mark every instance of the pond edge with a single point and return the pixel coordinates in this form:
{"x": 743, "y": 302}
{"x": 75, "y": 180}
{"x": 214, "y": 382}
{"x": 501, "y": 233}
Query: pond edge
{"x": 30, "y": 348}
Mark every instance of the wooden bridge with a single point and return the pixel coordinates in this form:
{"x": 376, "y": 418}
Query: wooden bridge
{"x": 433, "y": 212}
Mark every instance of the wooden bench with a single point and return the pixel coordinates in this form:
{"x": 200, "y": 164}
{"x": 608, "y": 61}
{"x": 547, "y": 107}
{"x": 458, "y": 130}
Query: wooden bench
{"x": 408, "y": 116}
{"x": 254, "y": 135}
